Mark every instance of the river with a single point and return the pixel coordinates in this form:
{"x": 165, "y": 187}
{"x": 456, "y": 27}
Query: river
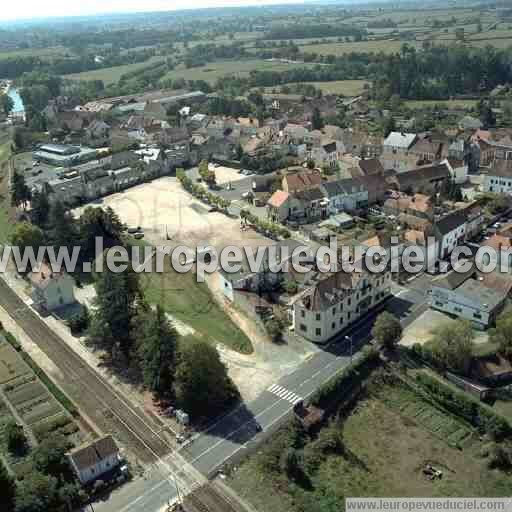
{"x": 16, "y": 98}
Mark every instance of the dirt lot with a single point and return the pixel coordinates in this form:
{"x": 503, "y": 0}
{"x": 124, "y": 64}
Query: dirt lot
{"x": 163, "y": 208}
{"x": 226, "y": 174}
{"x": 420, "y": 330}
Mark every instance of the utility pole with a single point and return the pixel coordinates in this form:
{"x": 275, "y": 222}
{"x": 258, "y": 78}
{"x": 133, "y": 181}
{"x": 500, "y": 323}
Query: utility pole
{"x": 349, "y": 339}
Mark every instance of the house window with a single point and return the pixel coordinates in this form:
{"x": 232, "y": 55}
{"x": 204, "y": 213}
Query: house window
{"x": 334, "y": 310}
{"x": 333, "y": 325}
{"x": 458, "y": 310}
{"x": 318, "y": 316}
{"x": 303, "y": 328}
{"x": 318, "y": 331}
{"x": 302, "y": 313}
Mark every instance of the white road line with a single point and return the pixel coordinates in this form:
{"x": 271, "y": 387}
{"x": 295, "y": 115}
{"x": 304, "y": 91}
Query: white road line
{"x": 284, "y": 394}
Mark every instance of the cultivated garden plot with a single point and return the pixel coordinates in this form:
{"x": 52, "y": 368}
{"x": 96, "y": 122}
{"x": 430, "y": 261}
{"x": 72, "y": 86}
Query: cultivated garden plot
{"x": 29, "y": 403}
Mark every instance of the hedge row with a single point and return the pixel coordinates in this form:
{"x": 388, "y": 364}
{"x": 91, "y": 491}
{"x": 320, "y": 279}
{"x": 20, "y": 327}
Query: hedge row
{"x": 459, "y": 403}
{"x": 54, "y": 390}
{"x": 343, "y": 382}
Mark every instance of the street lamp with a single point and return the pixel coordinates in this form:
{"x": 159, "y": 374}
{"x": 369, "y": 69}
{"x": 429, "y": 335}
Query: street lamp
{"x": 349, "y": 339}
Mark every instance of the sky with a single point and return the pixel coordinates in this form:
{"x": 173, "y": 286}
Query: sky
{"x": 12, "y": 10}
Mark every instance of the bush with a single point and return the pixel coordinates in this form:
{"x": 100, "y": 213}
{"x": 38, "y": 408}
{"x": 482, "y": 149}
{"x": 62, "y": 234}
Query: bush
{"x": 16, "y": 439}
{"x": 500, "y": 457}
{"x": 461, "y": 404}
{"x": 351, "y": 375}
{"x": 80, "y": 322}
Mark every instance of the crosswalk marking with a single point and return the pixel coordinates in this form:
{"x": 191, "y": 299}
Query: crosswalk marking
{"x": 284, "y": 394}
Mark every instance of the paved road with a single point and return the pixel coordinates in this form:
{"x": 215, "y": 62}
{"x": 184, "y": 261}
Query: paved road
{"x": 237, "y": 433}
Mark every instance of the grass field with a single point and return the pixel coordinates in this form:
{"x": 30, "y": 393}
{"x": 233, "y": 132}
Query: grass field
{"x": 34, "y": 52}
{"x": 387, "y": 46}
{"x": 192, "y": 303}
{"x": 112, "y": 75}
{"x": 466, "y": 104}
{"x": 343, "y": 87}
{"x": 388, "y": 438}
{"x": 215, "y": 70}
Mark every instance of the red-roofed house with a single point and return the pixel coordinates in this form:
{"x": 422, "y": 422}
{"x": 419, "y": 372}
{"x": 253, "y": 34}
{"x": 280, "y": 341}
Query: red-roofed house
{"x": 279, "y": 206}
{"x": 300, "y": 181}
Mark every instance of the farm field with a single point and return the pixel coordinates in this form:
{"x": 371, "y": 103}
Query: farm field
{"x": 383, "y": 457}
{"x": 111, "y": 75}
{"x": 386, "y": 46}
{"x": 343, "y": 87}
{"x": 215, "y": 70}
{"x": 467, "y": 104}
{"x": 24, "y": 398}
{"x": 34, "y": 52}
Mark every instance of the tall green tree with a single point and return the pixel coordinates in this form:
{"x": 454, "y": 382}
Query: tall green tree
{"x": 387, "y": 330}
{"x": 7, "y": 489}
{"x": 117, "y": 294}
{"x": 6, "y": 104}
{"x": 502, "y": 333}
{"x": 20, "y": 193}
{"x": 451, "y": 345}
{"x": 40, "y": 204}
{"x": 26, "y": 235}
{"x": 99, "y": 222}
{"x": 62, "y": 226}
{"x": 37, "y": 493}
{"x": 317, "y": 122}
{"x": 203, "y": 387}
{"x": 156, "y": 340}
{"x": 50, "y": 456}
{"x": 16, "y": 438}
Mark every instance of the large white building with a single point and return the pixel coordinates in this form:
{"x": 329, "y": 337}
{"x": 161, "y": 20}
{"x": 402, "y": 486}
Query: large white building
{"x": 498, "y": 179}
{"x": 330, "y": 305}
{"x": 477, "y": 300}
{"x": 95, "y": 459}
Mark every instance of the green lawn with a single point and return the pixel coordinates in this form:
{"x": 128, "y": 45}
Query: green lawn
{"x": 112, "y": 75}
{"x": 467, "y": 104}
{"x": 215, "y": 70}
{"x": 34, "y": 52}
{"x": 343, "y": 87}
{"x": 387, "y": 46}
{"x": 192, "y": 303}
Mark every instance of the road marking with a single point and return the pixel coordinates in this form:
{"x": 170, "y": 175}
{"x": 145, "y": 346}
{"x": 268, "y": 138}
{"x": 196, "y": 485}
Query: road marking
{"x": 284, "y": 394}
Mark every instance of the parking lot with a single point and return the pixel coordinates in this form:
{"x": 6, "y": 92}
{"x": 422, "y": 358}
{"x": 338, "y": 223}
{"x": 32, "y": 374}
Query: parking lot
{"x": 166, "y": 212}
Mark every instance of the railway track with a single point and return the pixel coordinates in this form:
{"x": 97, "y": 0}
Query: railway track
{"x": 98, "y": 401}
{"x": 208, "y": 499}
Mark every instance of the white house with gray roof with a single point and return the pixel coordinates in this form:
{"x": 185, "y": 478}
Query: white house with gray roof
{"x": 345, "y": 195}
